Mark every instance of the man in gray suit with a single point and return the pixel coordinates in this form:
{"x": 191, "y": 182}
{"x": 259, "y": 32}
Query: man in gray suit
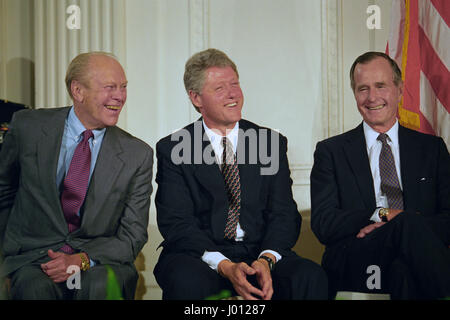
{"x": 56, "y": 217}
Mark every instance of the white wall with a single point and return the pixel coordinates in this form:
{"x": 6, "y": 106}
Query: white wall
{"x": 356, "y": 39}
{"x": 17, "y": 51}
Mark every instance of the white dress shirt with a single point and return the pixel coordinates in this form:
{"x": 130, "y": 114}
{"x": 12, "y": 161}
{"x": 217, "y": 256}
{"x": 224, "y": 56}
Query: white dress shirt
{"x": 213, "y": 258}
{"x": 373, "y": 151}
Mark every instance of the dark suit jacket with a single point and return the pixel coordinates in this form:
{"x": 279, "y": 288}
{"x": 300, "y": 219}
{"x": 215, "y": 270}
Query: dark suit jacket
{"x": 342, "y": 192}
{"x": 192, "y": 203}
{"x": 7, "y": 109}
{"x": 115, "y": 216}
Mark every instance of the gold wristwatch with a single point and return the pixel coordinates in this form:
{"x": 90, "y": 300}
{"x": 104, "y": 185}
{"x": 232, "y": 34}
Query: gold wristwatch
{"x": 85, "y": 264}
{"x": 383, "y": 214}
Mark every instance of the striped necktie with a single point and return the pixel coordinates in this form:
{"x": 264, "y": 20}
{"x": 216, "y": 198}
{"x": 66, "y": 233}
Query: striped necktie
{"x": 230, "y": 174}
{"x": 390, "y": 185}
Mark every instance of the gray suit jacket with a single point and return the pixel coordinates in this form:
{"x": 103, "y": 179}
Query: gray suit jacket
{"x": 115, "y": 215}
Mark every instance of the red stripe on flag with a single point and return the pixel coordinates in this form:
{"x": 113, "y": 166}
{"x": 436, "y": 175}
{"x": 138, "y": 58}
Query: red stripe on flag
{"x": 425, "y": 126}
{"x": 435, "y": 71}
{"x": 443, "y": 7}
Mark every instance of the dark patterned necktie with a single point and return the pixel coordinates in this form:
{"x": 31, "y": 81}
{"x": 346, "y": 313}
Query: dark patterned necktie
{"x": 76, "y": 184}
{"x": 230, "y": 174}
{"x": 390, "y": 185}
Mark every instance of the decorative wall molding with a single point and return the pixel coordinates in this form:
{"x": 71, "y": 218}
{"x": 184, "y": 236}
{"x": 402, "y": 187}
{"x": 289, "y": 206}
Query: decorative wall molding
{"x": 332, "y": 100}
{"x": 198, "y": 34}
{"x": 300, "y": 175}
{"x": 198, "y": 25}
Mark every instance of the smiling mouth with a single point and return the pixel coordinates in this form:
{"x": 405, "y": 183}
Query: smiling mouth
{"x": 112, "y": 107}
{"x": 230, "y": 105}
{"x": 381, "y": 106}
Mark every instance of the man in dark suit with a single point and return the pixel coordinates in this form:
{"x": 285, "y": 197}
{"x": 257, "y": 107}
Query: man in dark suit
{"x": 224, "y": 200}
{"x": 381, "y": 196}
{"x": 7, "y": 110}
{"x": 74, "y": 190}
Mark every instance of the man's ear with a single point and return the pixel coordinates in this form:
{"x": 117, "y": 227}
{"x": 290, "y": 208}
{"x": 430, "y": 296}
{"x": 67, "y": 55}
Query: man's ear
{"x": 400, "y": 88}
{"x": 196, "y": 98}
{"x": 78, "y": 90}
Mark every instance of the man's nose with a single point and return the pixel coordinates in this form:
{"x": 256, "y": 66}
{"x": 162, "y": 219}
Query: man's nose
{"x": 119, "y": 94}
{"x": 373, "y": 95}
{"x": 232, "y": 91}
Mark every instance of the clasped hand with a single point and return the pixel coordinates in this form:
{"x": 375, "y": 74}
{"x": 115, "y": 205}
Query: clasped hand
{"x": 237, "y": 273}
{"x": 57, "y": 267}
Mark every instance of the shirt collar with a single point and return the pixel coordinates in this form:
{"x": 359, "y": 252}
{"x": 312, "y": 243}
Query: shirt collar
{"x": 216, "y": 139}
{"x": 75, "y": 128}
{"x": 371, "y": 135}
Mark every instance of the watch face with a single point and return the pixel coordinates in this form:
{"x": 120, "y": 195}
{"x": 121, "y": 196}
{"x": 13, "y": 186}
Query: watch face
{"x": 383, "y": 212}
{"x": 84, "y": 263}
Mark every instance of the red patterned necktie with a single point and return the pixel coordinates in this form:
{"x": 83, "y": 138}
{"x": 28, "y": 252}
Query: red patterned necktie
{"x": 75, "y": 185}
{"x": 230, "y": 174}
{"x": 390, "y": 185}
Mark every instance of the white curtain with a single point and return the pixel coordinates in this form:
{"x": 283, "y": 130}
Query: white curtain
{"x": 101, "y": 28}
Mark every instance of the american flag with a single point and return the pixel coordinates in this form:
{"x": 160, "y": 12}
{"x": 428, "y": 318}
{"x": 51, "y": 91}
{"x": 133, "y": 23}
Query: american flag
{"x": 420, "y": 43}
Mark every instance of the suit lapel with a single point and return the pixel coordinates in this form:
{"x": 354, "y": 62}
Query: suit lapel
{"x": 48, "y": 150}
{"x": 249, "y": 173}
{"x": 107, "y": 167}
{"x": 409, "y": 167}
{"x": 356, "y": 152}
{"x": 210, "y": 177}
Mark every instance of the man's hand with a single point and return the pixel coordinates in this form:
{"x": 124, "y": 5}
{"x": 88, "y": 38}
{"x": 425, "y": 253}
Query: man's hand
{"x": 264, "y": 277}
{"x": 56, "y": 268}
{"x": 237, "y": 273}
{"x": 393, "y": 213}
{"x": 368, "y": 229}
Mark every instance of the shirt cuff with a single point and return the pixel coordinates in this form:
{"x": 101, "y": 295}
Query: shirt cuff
{"x": 213, "y": 258}
{"x": 375, "y": 217}
{"x": 276, "y": 254}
